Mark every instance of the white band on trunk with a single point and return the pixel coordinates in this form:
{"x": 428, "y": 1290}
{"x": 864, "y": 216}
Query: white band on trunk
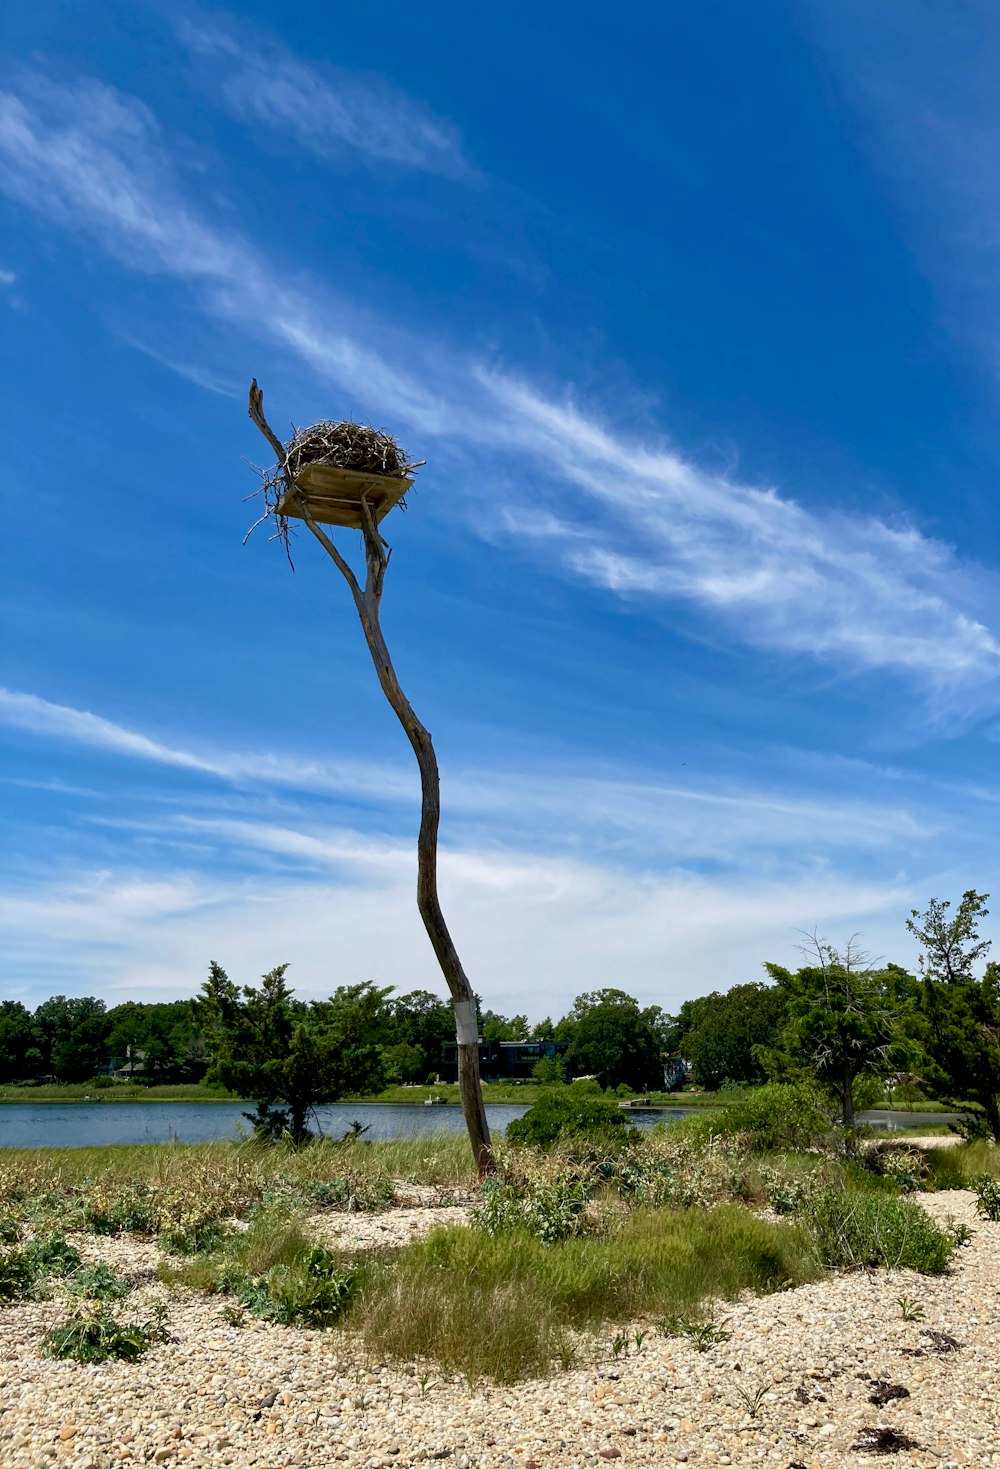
{"x": 466, "y": 1024}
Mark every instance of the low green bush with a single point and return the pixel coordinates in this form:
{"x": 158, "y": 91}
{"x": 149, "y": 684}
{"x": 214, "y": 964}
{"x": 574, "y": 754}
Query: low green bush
{"x": 903, "y": 1164}
{"x": 987, "y": 1196}
{"x": 53, "y": 1256}
{"x": 570, "y": 1114}
{"x": 311, "y": 1291}
{"x": 548, "y": 1207}
{"x": 17, "y": 1275}
{"x": 98, "y": 1283}
{"x": 92, "y": 1334}
{"x": 854, "y": 1227}
{"x": 11, "y": 1228}
{"x": 776, "y": 1118}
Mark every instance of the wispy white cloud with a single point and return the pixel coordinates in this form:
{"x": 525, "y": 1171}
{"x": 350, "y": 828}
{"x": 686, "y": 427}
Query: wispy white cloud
{"x": 329, "y": 111}
{"x": 191, "y": 371}
{"x": 7, "y": 278}
{"x": 532, "y": 933}
{"x": 636, "y": 519}
{"x": 78, "y": 726}
{"x": 617, "y": 812}
{"x": 847, "y": 588}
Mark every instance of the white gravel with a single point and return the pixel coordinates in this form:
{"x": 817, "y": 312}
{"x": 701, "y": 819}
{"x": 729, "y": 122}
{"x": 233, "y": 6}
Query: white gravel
{"x": 271, "y": 1396}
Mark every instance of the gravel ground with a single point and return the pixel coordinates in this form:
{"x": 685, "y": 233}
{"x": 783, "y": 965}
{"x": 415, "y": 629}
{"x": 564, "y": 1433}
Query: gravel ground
{"x": 270, "y": 1396}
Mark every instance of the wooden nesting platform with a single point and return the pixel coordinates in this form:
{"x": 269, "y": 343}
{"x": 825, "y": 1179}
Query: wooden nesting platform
{"x": 332, "y": 496}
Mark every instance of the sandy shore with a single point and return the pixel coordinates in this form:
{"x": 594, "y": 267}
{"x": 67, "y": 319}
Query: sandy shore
{"x": 266, "y": 1395}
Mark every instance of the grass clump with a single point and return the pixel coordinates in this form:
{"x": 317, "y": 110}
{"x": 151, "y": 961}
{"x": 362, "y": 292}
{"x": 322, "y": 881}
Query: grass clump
{"x": 92, "y": 1334}
{"x": 853, "y": 1227}
{"x": 958, "y": 1166}
{"x": 525, "y": 1295}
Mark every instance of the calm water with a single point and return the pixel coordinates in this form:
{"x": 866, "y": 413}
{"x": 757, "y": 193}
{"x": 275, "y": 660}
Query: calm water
{"x": 96, "y": 1124}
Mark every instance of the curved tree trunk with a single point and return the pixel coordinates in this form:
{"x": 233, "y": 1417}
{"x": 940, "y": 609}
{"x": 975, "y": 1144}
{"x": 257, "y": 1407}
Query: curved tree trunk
{"x": 367, "y": 599}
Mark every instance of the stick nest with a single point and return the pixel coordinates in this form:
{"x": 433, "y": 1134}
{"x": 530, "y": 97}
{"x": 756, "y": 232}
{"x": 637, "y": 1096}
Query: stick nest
{"x": 348, "y": 446}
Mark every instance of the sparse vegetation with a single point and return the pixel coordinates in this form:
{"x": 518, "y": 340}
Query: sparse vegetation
{"x": 92, "y": 1335}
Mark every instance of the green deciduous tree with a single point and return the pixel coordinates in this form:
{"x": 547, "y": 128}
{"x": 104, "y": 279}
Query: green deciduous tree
{"x": 273, "y": 1048}
{"x": 16, "y": 1040}
{"x": 721, "y": 1034}
{"x": 614, "y": 1041}
{"x": 71, "y": 1036}
{"x": 961, "y": 1014}
{"x": 843, "y": 1023}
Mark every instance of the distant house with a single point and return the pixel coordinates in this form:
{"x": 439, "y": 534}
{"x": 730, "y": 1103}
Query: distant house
{"x": 504, "y": 1060}
{"x": 128, "y": 1070}
{"x": 675, "y": 1072}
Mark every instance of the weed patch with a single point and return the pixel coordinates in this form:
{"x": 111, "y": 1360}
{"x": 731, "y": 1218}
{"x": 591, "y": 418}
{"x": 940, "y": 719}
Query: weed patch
{"x": 94, "y": 1335}
{"x": 857, "y": 1228}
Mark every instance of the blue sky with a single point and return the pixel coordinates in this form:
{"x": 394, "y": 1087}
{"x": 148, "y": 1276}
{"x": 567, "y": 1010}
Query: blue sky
{"x": 692, "y": 312}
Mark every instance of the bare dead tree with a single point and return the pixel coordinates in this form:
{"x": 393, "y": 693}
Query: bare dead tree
{"x": 367, "y": 600}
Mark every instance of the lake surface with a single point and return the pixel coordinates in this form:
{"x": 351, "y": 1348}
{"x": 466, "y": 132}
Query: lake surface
{"x": 98, "y": 1124}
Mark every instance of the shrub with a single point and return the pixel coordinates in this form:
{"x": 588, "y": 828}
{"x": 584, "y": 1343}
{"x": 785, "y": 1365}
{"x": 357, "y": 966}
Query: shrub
{"x": 877, "y": 1229}
{"x": 572, "y": 1113}
{"x": 11, "y": 1229}
{"x": 681, "y": 1170}
{"x": 904, "y": 1165}
{"x": 777, "y": 1118}
{"x": 99, "y": 1283}
{"x": 53, "y": 1256}
{"x": 196, "y": 1231}
{"x": 110, "y": 1210}
{"x": 93, "y": 1335}
{"x": 312, "y": 1291}
{"x": 987, "y": 1196}
{"x": 548, "y": 1207}
{"x": 17, "y": 1275}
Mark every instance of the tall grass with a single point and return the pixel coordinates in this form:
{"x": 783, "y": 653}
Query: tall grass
{"x": 501, "y": 1306}
{"x": 439, "y": 1159}
{"x": 956, "y": 1167}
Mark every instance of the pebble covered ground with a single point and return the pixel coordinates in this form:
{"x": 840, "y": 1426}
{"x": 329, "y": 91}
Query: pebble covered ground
{"x": 814, "y": 1378}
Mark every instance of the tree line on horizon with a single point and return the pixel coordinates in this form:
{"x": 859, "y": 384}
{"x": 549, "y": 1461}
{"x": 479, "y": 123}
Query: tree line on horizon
{"x": 842, "y": 1019}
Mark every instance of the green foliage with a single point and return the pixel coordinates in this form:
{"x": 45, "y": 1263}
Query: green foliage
{"x": 721, "y": 1034}
{"x": 312, "y": 1291}
{"x": 98, "y": 1283}
{"x": 549, "y": 1071}
{"x": 17, "y": 1275}
{"x": 524, "y": 1295}
{"x": 854, "y": 1227}
{"x": 905, "y": 1165}
{"x": 547, "y": 1203}
{"x": 92, "y": 1335}
{"x": 777, "y": 1118}
{"x": 615, "y": 1042}
{"x": 267, "y": 1045}
{"x": 951, "y": 945}
{"x": 565, "y": 1114}
{"x": 957, "y": 1166}
{"x": 844, "y": 1022}
{"x": 960, "y": 1014}
{"x": 53, "y": 1256}
{"x": 987, "y": 1196}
